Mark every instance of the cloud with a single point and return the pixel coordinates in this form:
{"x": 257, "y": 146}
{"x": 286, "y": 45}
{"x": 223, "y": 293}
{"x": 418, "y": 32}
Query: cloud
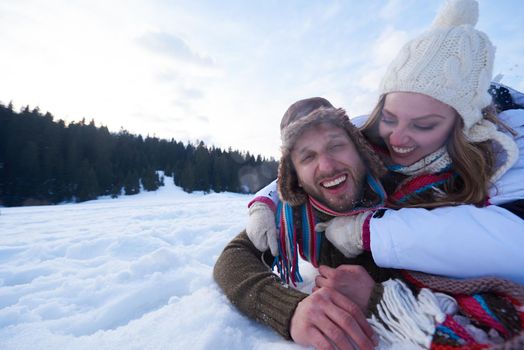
{"x": 392, "y": 9}
{"x": 191, "y": 93}
{"x": 388, "y": 45}
{"x": 202, "y": 118}
{"x": 172, "y": 46}
{"x": 383, "y": 49}
{"x": 193, "y": 119}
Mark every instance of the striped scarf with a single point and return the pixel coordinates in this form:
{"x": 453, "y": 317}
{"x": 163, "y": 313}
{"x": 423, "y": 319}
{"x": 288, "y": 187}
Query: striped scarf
{"x": 435, "y": 162}
{"x": 416, "y": 185}
{"x": 427, "y": 174}
{"x": 297, "y": 235}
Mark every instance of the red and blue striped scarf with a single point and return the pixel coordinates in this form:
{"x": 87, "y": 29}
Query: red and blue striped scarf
{"x": 301, "y": 238}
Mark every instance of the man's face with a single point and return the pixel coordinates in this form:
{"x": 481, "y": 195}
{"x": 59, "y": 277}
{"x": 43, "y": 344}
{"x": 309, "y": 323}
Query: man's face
{"x": 329, "y": 167}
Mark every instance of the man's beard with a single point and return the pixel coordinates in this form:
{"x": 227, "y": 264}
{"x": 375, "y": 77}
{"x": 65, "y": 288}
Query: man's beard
{"x": 348, "y": 200}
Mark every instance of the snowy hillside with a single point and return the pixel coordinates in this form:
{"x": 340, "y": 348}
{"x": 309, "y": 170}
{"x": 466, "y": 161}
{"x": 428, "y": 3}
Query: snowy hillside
{"x": 127, "y": 273}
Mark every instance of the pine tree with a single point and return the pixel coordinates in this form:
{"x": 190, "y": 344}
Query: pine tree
{"x": 202, "y": 168}
{"x": 150, "y": 180}
{"x": 187, "y": 177}
{"x": 88, "y": 185}
{"x": 131, "y": 183}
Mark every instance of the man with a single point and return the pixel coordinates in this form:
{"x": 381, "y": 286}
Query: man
{"x": 326, "y": 168}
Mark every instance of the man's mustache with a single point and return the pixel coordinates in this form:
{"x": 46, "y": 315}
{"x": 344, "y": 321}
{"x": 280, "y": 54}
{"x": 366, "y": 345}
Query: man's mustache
{"x": 350, "y": 173}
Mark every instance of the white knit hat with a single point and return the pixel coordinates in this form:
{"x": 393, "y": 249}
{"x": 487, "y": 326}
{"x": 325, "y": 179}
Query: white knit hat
{"x": 453, "y": 63}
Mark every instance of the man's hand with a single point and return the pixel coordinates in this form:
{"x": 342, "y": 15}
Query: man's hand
{"x": 262, "y": 228}
{"x": 352, "y": 281}
{"x": 327, "y": 319}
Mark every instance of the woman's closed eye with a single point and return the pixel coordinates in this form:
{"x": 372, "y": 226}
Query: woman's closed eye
{"x": 424, "y": 127}
{"x": 387, "y": 119}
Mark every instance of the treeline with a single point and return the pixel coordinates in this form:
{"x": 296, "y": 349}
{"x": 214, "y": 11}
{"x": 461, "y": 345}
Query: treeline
{"x": 44, "y": 161}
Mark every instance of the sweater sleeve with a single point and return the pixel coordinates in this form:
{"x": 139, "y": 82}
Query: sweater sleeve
{"x": 253, "y": 288}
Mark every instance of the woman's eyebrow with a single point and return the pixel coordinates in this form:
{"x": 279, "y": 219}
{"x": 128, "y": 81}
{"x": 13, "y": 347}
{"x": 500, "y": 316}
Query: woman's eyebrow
{"x": 419, "y": 117}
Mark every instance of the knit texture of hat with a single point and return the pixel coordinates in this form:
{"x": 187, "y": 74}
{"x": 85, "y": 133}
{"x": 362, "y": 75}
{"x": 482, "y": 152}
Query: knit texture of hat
{"x": 303, "y": 115}
{"x": 453, "y": 63}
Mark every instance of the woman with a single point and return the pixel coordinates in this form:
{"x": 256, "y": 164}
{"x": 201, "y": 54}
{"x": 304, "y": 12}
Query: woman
{"x": 448, "y": 152}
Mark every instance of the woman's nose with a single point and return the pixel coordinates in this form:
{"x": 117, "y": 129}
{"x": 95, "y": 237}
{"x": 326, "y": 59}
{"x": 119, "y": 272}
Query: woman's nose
{"x": 398, "y": 137}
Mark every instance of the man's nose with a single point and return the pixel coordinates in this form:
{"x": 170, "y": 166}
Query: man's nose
{"x": 325, "y": 163}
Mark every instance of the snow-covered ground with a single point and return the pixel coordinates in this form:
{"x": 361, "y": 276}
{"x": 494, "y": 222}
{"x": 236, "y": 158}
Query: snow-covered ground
{"x": 127, "y": 273}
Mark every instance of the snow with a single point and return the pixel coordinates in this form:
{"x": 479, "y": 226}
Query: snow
{"x": 127, "y": 273}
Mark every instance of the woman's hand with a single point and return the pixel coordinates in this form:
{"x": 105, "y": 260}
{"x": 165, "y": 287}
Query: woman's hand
{"x": 262, "y": 228}
{"x": 345, "y": 232}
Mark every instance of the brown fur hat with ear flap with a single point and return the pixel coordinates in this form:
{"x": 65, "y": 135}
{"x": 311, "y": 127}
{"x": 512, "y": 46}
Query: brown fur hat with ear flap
{"x": 301, "y": 116}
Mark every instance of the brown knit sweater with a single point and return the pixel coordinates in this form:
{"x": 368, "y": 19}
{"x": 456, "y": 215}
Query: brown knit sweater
{"x": 244, "y": 274}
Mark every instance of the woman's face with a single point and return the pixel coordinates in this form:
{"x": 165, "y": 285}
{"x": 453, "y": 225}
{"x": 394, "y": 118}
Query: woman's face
{"x": 414, "y": 125}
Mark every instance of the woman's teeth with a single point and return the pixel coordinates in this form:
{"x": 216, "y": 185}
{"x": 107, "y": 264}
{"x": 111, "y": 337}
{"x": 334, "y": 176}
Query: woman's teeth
{"x": 402, "y": 149}
{"x": 334, "y": 182}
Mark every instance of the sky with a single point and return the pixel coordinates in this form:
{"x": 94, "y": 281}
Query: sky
{"x": 219, "y": 71}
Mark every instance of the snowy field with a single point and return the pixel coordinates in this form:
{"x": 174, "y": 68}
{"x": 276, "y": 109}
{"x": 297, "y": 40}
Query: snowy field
{"x": 127, "y": 273}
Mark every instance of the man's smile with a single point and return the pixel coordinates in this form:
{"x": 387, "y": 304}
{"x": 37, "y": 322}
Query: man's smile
{"x": 333, "y": 183}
